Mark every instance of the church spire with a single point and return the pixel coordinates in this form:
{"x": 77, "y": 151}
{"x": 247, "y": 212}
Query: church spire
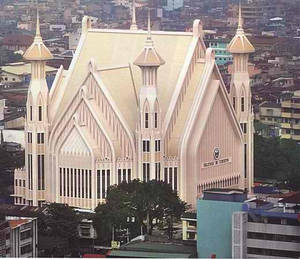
{"x": 240, "y": 23}
{"x": 37, "y": 51}
{"x": 38, "y": 30}
{"x": 133, "y": 21}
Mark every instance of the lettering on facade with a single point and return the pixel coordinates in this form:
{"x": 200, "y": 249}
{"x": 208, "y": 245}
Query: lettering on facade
{"x": 218, "y": 161}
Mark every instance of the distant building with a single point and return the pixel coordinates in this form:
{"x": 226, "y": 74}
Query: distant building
{"x": 171, "y": 5}
{"x": 214, "y": 213}
{"x": 220, "y": 46}
{"x": 290, "y": 113}
{"x": 16, "y": 42}
{"x": 270, "y": 115}
{"x": 20, "y": 73}
{"x": 267, "y": 230}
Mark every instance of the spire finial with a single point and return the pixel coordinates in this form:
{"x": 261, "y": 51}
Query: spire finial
{"x": 133, "y": 21}
{"x": 38, "y": 31}
{"x": 240, "y": 25}
{"x": 149, "y": 24}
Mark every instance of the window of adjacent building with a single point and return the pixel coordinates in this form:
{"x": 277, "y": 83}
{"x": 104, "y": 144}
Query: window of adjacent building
{"x": 40, "y": 113}
{"x": 146, "y": 145}
{"x": 243, "y": 104}
{"x": 157, "y": 145}
{"x": 146, "y": 120}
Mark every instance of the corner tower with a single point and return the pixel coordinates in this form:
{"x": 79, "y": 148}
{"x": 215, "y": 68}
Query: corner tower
{"x": 37, "y": 124}
{"x": 149, "y": 125}
{"x": 240, "y": 95}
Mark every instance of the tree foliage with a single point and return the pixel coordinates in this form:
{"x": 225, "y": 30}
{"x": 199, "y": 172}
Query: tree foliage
{"x": 150, "y": 204}
{"x": 279, "y": 159}
{"x": 59, "y": 221}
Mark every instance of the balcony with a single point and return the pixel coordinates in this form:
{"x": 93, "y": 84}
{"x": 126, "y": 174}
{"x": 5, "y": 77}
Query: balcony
{"x": 286, "y": 104}
{"x": 296, "y": 115}
{"x": 286, "y": 136}
{"x": 295, "y": 126}
{"x": 286, "y": 115}
{"x": 296, "y": 137}
{"x": 285, "y": 125}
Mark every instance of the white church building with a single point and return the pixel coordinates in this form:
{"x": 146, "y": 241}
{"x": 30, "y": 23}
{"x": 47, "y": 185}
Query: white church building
{"x": 136, "y": 104}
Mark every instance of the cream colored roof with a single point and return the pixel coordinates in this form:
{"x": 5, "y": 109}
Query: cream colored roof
{"x": 38, "y": 50}
{"x": 149, "y": 57}
{"x": 240, "y": 44}
{"x": 115, "y": 48}
{"x": 23, "y": 69}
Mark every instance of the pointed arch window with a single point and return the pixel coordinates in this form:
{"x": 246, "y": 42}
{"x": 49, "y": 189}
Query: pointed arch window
{"x": 243, "y": 104}
{"x": 234, "y": 102}
{"x": 30, "y": 112}
{"x": 146, "y": 120}
{"x": 40, "y": 113}
{"x": 156, "y": 115}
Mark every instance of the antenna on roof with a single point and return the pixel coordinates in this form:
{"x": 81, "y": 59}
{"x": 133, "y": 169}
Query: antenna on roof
{"x": 133, "y": 21}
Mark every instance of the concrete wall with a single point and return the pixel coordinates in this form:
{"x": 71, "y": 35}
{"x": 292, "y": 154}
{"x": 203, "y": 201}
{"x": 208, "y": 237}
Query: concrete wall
{"x": 214, "y": 226}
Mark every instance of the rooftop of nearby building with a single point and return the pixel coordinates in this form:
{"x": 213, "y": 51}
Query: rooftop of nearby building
{"x": 230, "y": 195}
{"x": 22, "y": 68}
{"x": 17, "y": 222}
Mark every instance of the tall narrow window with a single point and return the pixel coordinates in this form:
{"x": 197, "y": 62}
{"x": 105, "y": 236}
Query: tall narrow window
{"x": 124, "y": 175}
{"x": 157, "y": 145}
{"x": 79, "y": 183}
{"x": 98, "y": 184}
{"x": 60, "y": 182}
{"x": 166, "y": 175}
{"x": 64, "y": 177}
{"x": 157, "y": 171}
{"x": 175, "y": 179}
{"x": 146, "y": 145}
{"x": 129, "y": 175}
{"x": 245, "y": 160}
{"x": 103, "y": 184}
{"x": 119, "y": 176}
{"x": 75, "y": 183}
{"x": 233, "y": 102}
{"x": 148, "y": 172}
{"x": 86, "y": 184}
{"x": 171, "y": 176}
{"x": 71, "y": 181}
{"x": 243, "y": 104}
{"x": 30, "y": 112}
{"x": 144, "y": 172}
{"x": 146, "y": 120}
{"x": 90, "y": 184}
{"x": 107, "y": 179}
{"x": 155, "y": 120}
{"x": 40, "y": 113}
{"x": 82, "y": 184}
{"x": 68, "y": 183}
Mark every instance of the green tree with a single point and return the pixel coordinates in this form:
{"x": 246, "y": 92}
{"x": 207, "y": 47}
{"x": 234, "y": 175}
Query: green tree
{"x": 278, "y": 159}
{"x": 60, "y": 220}
{"x": 150, "y": 204}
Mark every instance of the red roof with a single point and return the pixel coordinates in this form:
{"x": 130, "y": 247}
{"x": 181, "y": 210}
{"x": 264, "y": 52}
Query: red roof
{"x": 18, "y": 222}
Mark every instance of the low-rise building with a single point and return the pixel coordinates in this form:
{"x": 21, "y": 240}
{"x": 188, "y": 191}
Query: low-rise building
{"x": 214, "y": 213}
{"x": 267, "y": 230}
{"x": 18, "y": 237}
{"x": 290, "y": 113}
{"x": 189, "y": 226}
